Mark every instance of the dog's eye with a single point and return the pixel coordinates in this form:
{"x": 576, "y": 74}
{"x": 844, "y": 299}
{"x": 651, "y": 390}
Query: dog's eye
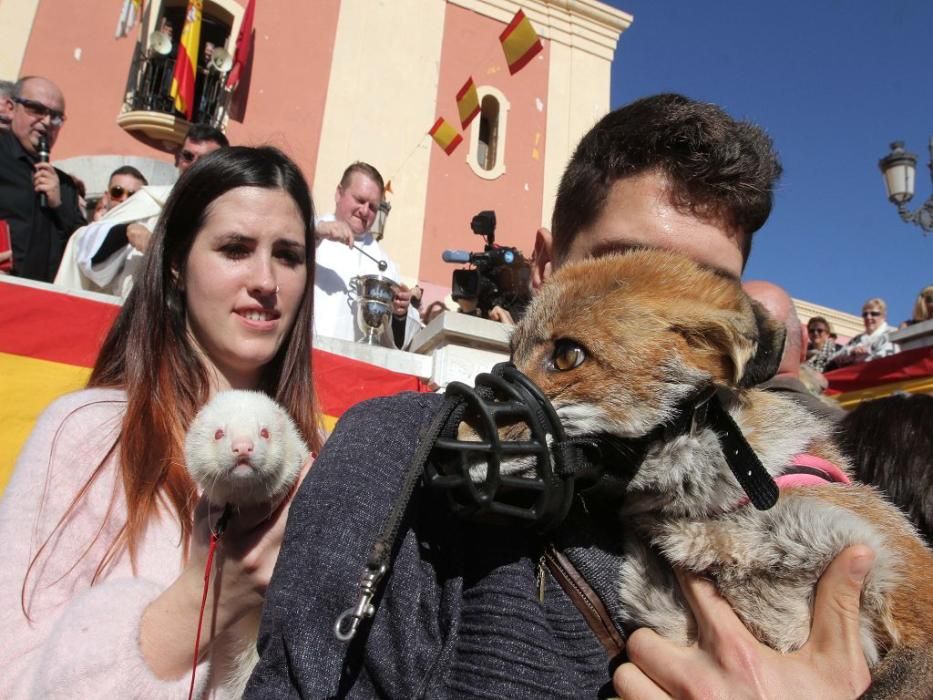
{"x": 567, "y": 355}
{"x": 264, "y": 433}
{"x": 219, "y": 434}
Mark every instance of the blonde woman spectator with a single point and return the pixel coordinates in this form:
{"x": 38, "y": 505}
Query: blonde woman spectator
{"x": 875, "y": 342}
{"x": 923, "y": 307}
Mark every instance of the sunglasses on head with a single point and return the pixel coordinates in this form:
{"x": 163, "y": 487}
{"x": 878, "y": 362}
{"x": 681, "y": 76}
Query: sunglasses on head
{"x": 866, "y": 314}
{"x": 118, "y": 192}
{"x": 37, "y": 109}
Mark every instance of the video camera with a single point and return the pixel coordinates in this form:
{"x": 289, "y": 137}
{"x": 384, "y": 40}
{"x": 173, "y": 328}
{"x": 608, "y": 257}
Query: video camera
{"x": 500, "y": 276}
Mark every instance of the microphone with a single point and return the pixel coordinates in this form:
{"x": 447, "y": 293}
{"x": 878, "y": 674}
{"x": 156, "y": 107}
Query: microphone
{"x": 43, "y": 149}
{"x": 455, "y": 256}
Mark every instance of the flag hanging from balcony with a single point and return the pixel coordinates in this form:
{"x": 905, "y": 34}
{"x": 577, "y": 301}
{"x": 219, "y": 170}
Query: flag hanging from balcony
{"x": 244, "y": 44}
{"x": 185, "y": 64}
{"x": 445, "y": 135}
{"x": 520, "y": 42}
{"x": 467, "y": 102}
{"x": 128, "y": 16}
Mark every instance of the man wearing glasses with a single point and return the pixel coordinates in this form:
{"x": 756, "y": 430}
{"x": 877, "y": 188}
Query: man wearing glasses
{"x": 105, "y": 256}
{"x": 38, "y": 202}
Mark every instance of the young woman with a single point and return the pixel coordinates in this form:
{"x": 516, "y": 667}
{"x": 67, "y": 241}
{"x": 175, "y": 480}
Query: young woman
{"x": 104, "y": 535}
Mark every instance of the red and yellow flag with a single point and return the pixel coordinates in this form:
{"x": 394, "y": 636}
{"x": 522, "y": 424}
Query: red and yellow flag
{"x": 520, "y": 42}
{"x": 467, "y": 102}
{"x": 49, "y": 340}
{"x": 186, "y": 63}
{"x": 445, "y": 135}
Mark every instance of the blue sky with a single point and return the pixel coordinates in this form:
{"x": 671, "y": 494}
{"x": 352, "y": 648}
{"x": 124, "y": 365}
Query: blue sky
{"x": 833, "y": 82}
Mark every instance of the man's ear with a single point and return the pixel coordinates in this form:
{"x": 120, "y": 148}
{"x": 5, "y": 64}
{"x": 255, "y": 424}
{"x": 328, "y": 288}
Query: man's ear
{"x": 766, "y": 361}
{"x": 541, "y": 267}
{"x": 338, "y": 193}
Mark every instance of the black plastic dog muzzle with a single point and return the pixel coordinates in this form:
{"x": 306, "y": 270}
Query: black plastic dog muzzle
{"x": 530, "y": 480}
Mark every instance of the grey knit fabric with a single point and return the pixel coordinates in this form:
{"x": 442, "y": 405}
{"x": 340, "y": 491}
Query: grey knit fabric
{"x": 459, "y": 615}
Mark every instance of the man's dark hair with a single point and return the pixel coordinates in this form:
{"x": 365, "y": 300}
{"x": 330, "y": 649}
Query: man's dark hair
{"x": 891, "y": 445}
{"x": 720, "y": 169}
{"x": 131, "y": 171}
{"x": 205, "y": 132}
{"x": 364, "y": 169}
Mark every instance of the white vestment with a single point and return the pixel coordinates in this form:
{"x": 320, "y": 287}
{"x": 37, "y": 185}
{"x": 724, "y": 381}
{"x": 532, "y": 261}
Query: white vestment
{"x": 115, "y": 274}
{"x": 334, "y": 309}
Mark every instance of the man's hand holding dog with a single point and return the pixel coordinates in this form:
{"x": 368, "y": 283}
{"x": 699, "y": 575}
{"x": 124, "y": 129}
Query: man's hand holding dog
{"x": 728, "y": 662}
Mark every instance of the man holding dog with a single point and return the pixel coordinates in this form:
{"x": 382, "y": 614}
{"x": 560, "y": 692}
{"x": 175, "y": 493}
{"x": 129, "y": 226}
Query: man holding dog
{"x": 471, "y": 610}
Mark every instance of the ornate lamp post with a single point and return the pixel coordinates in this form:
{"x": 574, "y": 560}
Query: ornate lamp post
{"x": 900, "y": 170}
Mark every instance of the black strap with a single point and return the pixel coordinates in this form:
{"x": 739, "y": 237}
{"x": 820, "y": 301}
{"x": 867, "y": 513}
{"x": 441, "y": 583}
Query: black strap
{"x": 746, "y": 467}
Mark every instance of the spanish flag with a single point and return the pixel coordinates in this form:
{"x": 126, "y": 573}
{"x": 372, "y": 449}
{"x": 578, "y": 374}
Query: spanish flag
{"x": 520, "y": 42}
{"x": 186, "y": 63}
{"x": 467, "y": 102}
{"x": 445, "y": 135}
{"x": 49, "y": 340}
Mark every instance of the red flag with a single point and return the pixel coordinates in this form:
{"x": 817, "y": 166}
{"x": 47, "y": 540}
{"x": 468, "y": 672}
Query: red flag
{"x": 244, "y": 44}
{"x": 520, "y": 42}
{"x": 445, "y": 135}
{"x": 184, "y": 76}
{"x": 467, "y": 102}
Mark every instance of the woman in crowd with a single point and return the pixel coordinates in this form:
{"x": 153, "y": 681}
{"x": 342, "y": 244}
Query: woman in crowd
{"x": 873, "y": 343}
{"x": 923, "y": 307}
{"x": 821, "y": 346}
{"x": 105, "y": 536}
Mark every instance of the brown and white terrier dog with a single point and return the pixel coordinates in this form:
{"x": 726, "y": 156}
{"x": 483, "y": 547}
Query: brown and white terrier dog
{"x": 617, "y": 344}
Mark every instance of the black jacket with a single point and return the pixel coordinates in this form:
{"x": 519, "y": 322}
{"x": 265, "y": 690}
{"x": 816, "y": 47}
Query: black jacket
{"x": 37, "y": 234}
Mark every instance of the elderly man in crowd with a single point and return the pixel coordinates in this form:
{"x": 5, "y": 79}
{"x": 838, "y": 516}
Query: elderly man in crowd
{"x": 38, "y": 202}
{"x": 105, "y": 256}
{"x": 346, "y": 249}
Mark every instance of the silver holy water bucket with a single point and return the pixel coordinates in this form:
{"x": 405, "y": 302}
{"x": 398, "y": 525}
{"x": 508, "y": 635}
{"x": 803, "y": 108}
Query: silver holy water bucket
{"x": 373, "y": 295}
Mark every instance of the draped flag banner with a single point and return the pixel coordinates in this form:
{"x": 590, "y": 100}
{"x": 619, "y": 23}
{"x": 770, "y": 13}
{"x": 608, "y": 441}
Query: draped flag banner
{"x": 187, "y": 60}
{"x": 467, "y": 103}
{"x": 910, "y": 371}
{"x": 445, "y": 135}
{"x": 520, "y": 42}
{"x": 244, "y": 44}
{"x": 129, "y": 13}
{"x": 49, "y": 340}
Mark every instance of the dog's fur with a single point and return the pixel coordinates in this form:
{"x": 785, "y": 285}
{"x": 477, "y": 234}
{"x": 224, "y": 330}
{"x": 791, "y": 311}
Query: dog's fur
{"x": 243, "y": 449}
{"x": 653, "y": 327}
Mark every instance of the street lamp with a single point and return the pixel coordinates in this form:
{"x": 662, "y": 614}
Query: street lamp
{"x": 900, "y": 169}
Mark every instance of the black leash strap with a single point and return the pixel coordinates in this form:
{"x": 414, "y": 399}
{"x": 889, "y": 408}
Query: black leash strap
{"x": 746, "y": 467}
{"x": 348, "y": 623}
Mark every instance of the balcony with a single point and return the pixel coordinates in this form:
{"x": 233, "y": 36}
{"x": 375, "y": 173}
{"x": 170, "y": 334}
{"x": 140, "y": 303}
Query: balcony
{"x": 149, "y": 112}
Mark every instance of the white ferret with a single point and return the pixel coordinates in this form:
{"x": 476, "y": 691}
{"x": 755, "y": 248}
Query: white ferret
{"x": 243, "y": 449}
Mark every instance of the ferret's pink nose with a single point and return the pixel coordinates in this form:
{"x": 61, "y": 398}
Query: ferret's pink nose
{"x": 242, "y": 446}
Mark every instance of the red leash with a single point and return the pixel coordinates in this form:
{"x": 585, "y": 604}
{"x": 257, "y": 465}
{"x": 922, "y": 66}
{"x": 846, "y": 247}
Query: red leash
{"x": 215, "y": 537}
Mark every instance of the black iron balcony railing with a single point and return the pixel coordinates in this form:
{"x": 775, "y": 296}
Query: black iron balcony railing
{"x": 150, "y": 82}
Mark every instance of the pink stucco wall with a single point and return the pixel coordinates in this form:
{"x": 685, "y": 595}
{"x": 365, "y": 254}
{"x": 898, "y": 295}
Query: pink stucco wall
{"x": 73, "y": 44}
{"x": 455, "y": 193}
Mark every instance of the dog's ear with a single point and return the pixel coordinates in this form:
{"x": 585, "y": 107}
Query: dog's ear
{"x": 743, "y": 348}
{"x": 766, "y": 360}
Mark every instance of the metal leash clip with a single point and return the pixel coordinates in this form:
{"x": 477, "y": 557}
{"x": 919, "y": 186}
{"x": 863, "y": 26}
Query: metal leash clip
{"x": 349, "y": 621}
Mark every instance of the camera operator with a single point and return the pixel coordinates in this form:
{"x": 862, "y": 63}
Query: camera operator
{"x": 498, "y": 285}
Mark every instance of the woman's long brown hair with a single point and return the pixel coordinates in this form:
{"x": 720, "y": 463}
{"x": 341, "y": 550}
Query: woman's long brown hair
{"x": 149, "y": 354}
